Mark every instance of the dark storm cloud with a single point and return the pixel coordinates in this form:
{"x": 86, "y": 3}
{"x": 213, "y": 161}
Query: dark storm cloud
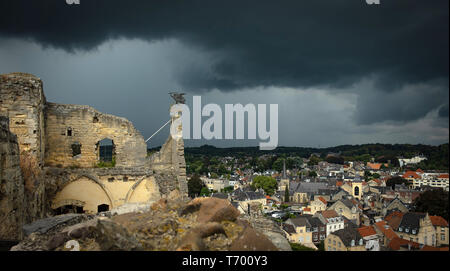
{"x": 409, "y": 103}
{"x": 443, "y": 111}
{"x": 266, "y": 43}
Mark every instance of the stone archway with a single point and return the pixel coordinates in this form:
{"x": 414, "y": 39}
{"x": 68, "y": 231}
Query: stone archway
{"x": 144, "y": 190}
{"x": 84, "y": 191}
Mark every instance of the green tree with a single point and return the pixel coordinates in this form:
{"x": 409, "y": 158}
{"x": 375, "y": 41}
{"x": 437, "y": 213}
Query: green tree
{"x": 300, "y": 247}
{"x": 321, "y": 246}
{"x": 314, "y": 160}
{"x": 396, "y": 180}
{"x": 267, "y": 183}
{"x": 312, "y": 173}
{"x": 214, "y": 175}
{"x": 335, "y": 160}
{"x": 195, "y": 185}
{"x": 278, "y": 164}
{"x": 433, "y": 202}
{"x": 228, "y": 189}
{"x": 205, "y": 191}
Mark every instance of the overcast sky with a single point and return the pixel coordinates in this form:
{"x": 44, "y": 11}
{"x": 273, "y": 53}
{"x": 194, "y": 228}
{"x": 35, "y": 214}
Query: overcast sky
{"x": 342, "y": 71}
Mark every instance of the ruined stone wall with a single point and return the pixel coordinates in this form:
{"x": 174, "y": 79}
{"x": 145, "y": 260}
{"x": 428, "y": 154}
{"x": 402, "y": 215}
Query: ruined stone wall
{"x": 50, "y": 175}
{"x": 11, "y": 185}
{"x": 88, "y": 127}
{"x": 22, "y": 100}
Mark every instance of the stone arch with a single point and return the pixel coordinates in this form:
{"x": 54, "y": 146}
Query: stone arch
{"x": 83, "y": 190}
{"x": 144, "y": 190}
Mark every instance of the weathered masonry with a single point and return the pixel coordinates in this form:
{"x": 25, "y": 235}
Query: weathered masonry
{"x": 86, "y": 161}
{"x": 74, "y": 132}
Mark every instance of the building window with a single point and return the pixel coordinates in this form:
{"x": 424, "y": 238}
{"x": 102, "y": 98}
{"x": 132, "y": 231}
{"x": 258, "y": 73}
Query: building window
{"x": 76, "y": 149}
{"x": 69, "y": 131}
{"x": 442, "y": 237}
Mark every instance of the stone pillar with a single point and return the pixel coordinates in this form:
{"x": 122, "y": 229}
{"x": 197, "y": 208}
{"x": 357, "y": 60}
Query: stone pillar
{"x": 179, "y": 163}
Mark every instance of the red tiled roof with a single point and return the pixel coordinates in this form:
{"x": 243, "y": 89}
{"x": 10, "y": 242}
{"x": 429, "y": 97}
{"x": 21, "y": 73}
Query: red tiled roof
{"x": 419, "y": 170}
{"x": 428, "y": 248}
{"x": 367, "y": 231}
{"x": 411, "y": 174}
{"x": 377, "y": 181}
{"x": 329, "y": 214}
{"x": 386, "y": 230}
{"x": 306, "y": 209}
{"x": 438, "y": 221}
{"x": 323, "y": 200}
{"x": 394, "y": 219}
{"x": 374, "y": 165}
{"x": 443, "y": 176}
{"x": 396, "y": 243}
{"x": 339, "y": 183}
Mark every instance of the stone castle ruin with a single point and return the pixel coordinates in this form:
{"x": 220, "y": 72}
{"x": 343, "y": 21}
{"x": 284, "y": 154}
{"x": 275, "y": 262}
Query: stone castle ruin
{"x": 52, "y": 159}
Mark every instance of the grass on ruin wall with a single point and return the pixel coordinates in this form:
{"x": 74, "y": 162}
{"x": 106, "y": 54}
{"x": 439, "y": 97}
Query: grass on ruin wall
{"x": 103, "y": 164}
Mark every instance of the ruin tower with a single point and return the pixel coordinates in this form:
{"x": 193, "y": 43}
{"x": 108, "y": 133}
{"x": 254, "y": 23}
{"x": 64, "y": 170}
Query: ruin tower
{"x": 22, "y": 100}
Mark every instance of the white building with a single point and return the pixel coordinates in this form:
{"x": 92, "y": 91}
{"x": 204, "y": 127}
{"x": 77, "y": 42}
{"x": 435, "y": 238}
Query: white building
{"x": 411, "y": 161}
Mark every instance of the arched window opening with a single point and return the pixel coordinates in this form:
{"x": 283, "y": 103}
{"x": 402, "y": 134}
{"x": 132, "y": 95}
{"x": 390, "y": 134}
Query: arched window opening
{"x": 106, "y": 153}
{"x": 102, "y": 208}
{"x": 69, "y": 131}
{"x": 356, "y": 191}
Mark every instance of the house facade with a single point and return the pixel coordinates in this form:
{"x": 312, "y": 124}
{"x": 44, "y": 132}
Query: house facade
{"x": 347, "y": 239}
{"x": 417, "y": 227}
{"x": 441, "y": 228}
{"x": 331, "y": 219}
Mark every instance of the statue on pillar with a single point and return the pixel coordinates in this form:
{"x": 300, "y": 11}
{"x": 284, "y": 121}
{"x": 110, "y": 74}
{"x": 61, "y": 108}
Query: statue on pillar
{"x": 178, "y": 97}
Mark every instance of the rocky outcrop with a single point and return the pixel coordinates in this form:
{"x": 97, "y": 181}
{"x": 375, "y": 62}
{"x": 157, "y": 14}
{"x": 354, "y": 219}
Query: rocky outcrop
{"x": 168, "y": 225}
{"x": 270, "y": 229}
